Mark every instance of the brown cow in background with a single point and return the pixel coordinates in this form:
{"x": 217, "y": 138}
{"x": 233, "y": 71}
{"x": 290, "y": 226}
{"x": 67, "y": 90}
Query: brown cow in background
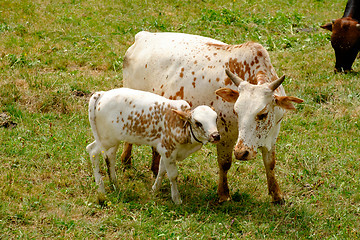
{"x": 345, "y": 37}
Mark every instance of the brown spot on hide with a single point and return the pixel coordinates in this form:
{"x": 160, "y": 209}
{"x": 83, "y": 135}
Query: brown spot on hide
{"x": 182, "y": 72}
{"x": 219, "y": 46}
{"x": 241, "y": 69}
{"x": 180, "y": 93}
{"x": 228, "y": 81}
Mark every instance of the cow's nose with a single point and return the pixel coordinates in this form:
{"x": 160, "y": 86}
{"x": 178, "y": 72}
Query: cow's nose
{"x": 244, "y": 153}
{"x": 215, "y": 137}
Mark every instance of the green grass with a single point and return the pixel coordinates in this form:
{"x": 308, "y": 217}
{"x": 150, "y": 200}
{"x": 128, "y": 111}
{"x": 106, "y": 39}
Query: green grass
{"x": 54, "y": 54}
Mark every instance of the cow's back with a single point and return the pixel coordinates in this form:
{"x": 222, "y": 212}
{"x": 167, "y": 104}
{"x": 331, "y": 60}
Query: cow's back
{"x": 168, "y": 59}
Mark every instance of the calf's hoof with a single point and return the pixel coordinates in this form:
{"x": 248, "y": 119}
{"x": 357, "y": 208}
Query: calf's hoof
{"x": 177, "y": 201}
{"x": 155, "y": 188}
{"x": 101, "y": 199}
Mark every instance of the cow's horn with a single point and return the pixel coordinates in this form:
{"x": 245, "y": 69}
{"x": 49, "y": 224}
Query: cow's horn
{"x": 236, "y": 80}
{"x": 275, "y": 84}
{"x": 333, "y": 21}
{"x": 358, "y": 26}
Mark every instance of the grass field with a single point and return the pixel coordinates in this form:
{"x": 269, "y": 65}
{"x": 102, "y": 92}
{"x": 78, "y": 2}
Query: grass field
{"x": 54, "y": 54}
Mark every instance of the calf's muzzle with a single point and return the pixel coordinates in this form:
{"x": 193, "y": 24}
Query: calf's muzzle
{"x": 214, "y": 137}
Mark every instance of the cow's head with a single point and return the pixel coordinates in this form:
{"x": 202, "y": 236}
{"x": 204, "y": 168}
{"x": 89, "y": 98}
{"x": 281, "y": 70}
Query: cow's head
{"x": 202, "y": 123}
{"x": 259, "y": 113}
{"x": 345, "y": 40}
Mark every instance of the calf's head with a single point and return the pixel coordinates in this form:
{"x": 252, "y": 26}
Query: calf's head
{"x": 202, "y": 123}
{"x": 259, "y": 113}
{"x": 345, "y": 40}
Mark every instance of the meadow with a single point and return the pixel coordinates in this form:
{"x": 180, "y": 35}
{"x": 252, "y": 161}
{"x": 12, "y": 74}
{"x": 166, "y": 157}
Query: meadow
{"x": 55, "y": 54}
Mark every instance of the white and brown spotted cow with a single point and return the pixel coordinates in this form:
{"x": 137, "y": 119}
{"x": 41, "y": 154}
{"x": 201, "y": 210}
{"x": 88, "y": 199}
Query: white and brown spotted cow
{"x": 190, "y": 67}
{"x": 140, "y": 117}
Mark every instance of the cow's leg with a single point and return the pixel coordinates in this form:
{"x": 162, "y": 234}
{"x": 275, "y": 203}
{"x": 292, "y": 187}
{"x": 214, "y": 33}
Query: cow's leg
{"x": 94, "y": 152}
{"x": 273, "y": 186}
{"x": 126, "y": 154}
{"x": 159, "y": 176}
{"x": 155, "y": 162}
{"x": 110, "y": 159}
{"x": 224, "y": 153}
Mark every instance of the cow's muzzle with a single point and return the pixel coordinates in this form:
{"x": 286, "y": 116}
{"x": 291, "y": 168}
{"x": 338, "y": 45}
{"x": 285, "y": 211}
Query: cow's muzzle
{"x": 244, "y": 153}
{"x": 214, "y": 137}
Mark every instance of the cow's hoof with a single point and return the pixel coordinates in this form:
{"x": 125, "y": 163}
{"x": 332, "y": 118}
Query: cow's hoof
{"x": 224, "y": 199}
{"x": 279, "y": 202}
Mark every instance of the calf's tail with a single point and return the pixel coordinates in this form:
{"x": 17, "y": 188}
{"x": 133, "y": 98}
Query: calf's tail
{"x": 92, "y": 117}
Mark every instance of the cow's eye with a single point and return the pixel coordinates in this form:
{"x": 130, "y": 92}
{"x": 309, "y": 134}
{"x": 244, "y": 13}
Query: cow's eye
{"x": 262, "y": 116}
{"x": 198, "y": 124}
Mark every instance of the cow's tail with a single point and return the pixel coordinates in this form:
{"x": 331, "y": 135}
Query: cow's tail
{"x": 92, "y": 117}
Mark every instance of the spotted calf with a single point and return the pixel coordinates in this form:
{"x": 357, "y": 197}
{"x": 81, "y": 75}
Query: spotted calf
{"x": 138, "y": 117}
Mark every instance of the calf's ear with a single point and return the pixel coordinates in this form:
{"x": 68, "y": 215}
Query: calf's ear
{"x": 227, "y": 94}
{"x": 286, "y": 102}
{"x": 327, "y": 26}
{"x": 183, "y": 115}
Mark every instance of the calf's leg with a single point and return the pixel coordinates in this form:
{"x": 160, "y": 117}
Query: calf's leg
{"x": 110, "y": 159}
{"x": 159, "y": 177}
{"x": 172, "y": 172}
{"x": 94, "y": 152}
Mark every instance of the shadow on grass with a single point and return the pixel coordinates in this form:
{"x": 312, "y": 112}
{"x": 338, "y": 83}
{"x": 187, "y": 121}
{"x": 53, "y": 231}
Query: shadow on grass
{"x": 243, "y": 213}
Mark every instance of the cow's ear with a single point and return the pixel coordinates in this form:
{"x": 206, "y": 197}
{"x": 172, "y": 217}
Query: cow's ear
{"x": 286, "y": 102}
{"x": 183, "y": 115}
{"x": 227, "y": 94}
{"x": 327, "y": 26}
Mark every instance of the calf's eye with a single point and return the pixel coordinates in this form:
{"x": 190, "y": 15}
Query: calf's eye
{"x": 198, "y": 124}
